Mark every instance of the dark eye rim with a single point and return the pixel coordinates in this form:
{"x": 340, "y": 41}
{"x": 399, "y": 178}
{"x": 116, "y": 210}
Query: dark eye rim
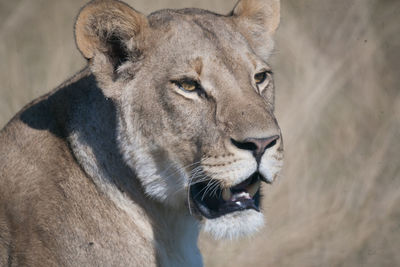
{"x": 265, "y": 75}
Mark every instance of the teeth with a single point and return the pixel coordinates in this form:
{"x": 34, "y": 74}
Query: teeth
{"x": 226, "y": 194}
{"x": 249, "y": 193}
{"x": 252, "y": 189}
{"x": 241, "y": 195}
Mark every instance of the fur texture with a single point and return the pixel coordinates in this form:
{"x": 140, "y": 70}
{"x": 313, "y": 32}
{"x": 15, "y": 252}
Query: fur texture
{"x": 98, "y": 171}
{"x": 233, "y": 226}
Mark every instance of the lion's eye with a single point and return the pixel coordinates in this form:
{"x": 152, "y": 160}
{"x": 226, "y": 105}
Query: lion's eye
{"x": 189, "y": 86}
{"x": 261, "y": 77}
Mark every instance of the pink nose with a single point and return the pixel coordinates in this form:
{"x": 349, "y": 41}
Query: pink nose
{"x": 256, "y": 145}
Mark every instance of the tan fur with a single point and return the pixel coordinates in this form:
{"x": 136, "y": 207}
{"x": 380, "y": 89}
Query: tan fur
{"x": 100, "y": 18}
{"x": 262, "y": 12}
{"x": 96, "y": 173}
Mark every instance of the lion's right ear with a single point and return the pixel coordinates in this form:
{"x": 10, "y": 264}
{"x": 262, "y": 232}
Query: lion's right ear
{"x": 258, "y": 20}
{"x": 109, "y": 28}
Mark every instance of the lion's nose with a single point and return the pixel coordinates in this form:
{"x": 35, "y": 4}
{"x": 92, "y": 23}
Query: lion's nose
{"x": 256, "y": 145}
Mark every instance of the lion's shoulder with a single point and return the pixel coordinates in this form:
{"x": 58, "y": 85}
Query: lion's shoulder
{"x": 33, "y": 145}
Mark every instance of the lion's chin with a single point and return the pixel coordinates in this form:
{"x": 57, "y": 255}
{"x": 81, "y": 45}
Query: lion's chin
{"x": 234, "y": 225}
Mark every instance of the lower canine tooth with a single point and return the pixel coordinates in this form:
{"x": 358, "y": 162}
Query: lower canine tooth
{"x": 252, "y": 189}
{"x": 226, "y": 194}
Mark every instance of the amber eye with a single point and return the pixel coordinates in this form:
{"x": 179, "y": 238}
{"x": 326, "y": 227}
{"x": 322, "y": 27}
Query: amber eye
{"x": 261, "y": 77}
{"x": 189, "y": 86}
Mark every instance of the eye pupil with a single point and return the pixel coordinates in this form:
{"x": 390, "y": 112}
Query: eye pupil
{"x": 260, "y": 77}
{"x": 189, "y": 87}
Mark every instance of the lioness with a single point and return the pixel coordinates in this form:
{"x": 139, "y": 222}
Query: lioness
{"x": 169, "y": 128}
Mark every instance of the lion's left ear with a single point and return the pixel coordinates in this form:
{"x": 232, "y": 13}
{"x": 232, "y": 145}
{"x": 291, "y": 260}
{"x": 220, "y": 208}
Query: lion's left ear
{"x": 258, "y": 20}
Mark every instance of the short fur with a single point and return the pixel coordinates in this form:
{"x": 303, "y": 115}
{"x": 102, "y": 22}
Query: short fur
{"x": 97, "y": 171}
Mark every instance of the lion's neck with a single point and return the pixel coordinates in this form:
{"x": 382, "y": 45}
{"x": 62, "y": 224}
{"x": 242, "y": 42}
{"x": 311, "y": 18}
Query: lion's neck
{"x": 93, "y": 140}
{"x": 177, "y": 240}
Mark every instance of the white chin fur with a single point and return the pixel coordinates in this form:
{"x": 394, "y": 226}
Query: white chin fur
{"x": 234, "y": 225}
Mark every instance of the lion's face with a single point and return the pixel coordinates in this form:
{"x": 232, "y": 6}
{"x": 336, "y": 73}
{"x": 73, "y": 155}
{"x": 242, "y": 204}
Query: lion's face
{"x": 196, "y": 102}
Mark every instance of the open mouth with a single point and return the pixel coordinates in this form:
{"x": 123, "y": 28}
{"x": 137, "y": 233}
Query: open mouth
{"x": 215, "y": 202}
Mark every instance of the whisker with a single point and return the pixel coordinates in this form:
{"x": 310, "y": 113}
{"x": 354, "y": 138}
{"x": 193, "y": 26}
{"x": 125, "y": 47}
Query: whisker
{"x": 209, "y": 185}
{"x": 179, "y": 169}
{"x": 216, "y": 187}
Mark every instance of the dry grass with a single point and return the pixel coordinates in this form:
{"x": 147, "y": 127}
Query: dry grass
{"x": 338, "y": 103}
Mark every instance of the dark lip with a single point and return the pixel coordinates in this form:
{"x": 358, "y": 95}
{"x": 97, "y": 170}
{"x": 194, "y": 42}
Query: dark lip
{"x": 211, "y": 204}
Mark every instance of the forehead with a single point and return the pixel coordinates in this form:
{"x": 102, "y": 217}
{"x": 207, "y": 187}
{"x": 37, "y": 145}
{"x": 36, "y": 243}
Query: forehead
{"x": 194, "y": 32}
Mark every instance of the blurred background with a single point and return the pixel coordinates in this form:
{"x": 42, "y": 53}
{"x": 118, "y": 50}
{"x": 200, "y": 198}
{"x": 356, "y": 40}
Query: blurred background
{"x": 337, "y": 202}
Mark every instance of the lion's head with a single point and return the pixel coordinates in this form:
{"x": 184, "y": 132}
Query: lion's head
{"x": 195, "y": 101}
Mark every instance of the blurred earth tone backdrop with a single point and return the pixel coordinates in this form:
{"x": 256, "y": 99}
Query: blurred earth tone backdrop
{"x": 337, "y": 202}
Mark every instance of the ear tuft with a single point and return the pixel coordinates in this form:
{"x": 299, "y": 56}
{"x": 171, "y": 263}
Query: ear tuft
{"x": 264, "y": 13}
{"x": 103, "y": 26}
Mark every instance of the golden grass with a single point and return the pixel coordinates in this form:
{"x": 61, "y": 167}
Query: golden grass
{"x": 338, "y": 103}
